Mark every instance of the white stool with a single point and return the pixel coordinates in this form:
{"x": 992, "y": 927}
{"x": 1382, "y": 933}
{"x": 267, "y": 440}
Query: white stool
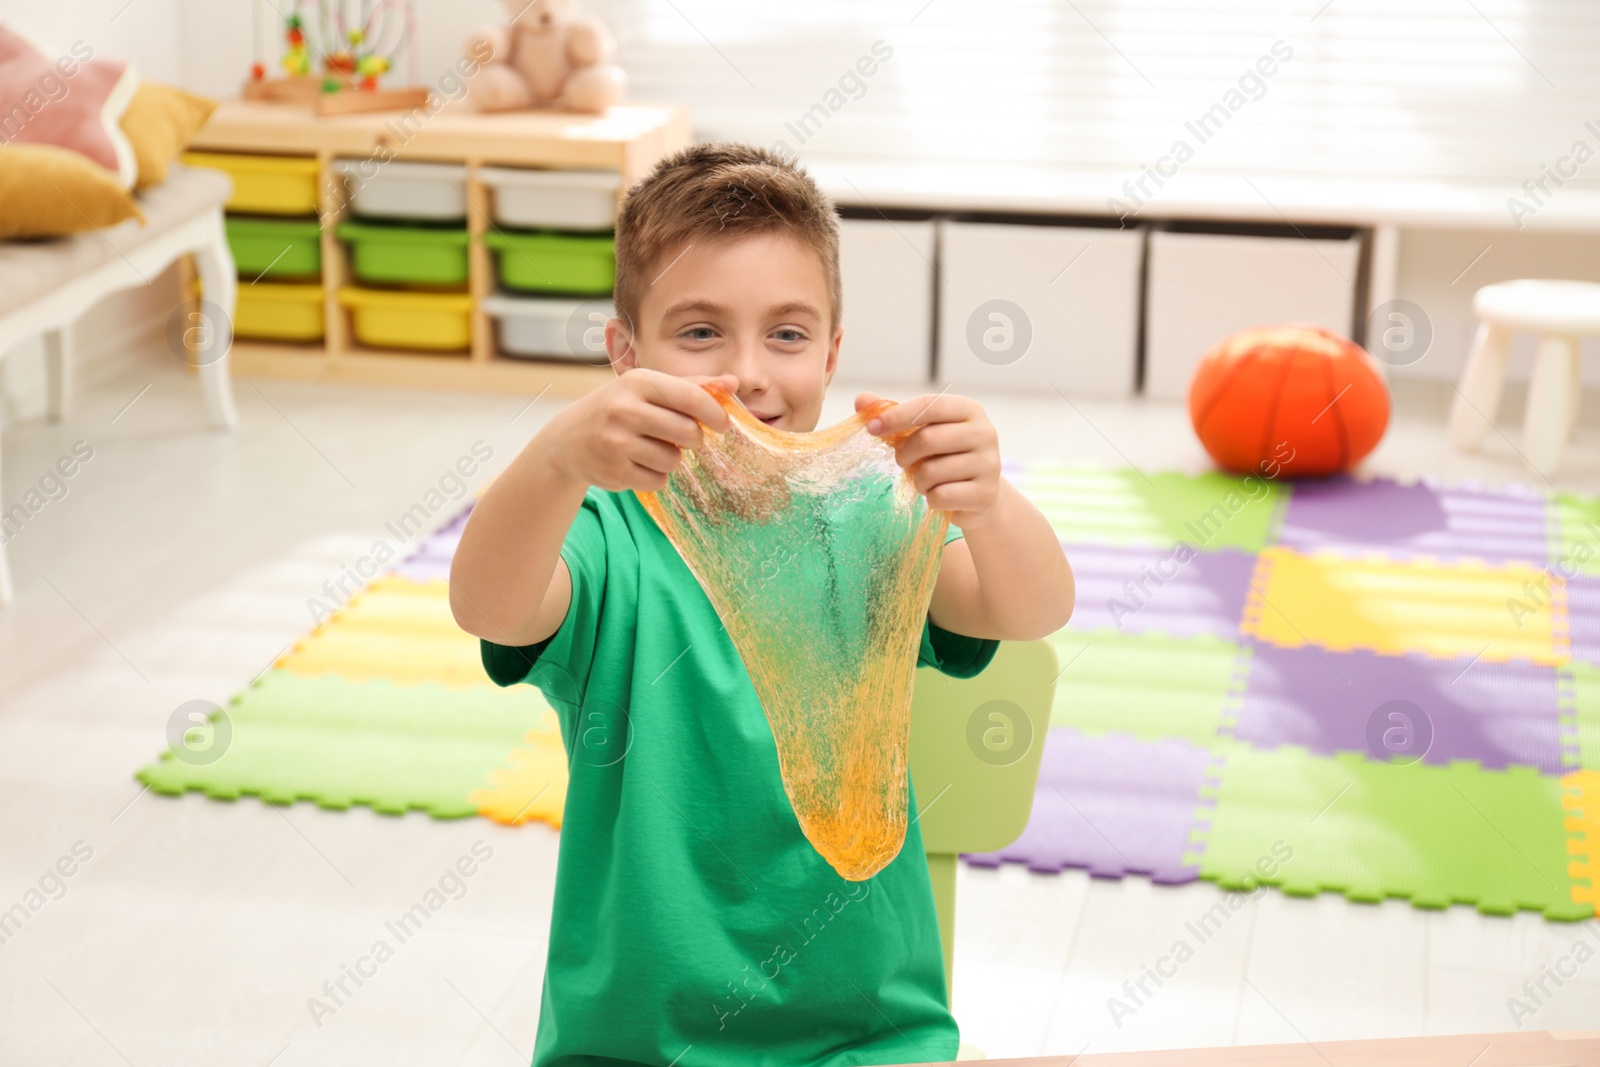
{"x": 1561, "y": 313}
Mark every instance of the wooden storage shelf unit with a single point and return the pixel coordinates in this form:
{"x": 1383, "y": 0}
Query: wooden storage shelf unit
{"x": 628, "y": 140}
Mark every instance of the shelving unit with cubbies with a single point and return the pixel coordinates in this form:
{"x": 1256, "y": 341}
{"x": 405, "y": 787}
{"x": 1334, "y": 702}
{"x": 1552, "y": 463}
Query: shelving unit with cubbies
{"x": 540, "y": 191}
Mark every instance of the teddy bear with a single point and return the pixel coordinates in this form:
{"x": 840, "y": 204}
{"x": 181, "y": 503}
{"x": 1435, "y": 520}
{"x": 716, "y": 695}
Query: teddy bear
{"x": 549, "y": 56}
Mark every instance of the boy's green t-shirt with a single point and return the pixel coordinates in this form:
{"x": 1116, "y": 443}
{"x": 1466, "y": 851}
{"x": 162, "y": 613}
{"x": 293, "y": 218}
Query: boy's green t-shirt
{"x": 693, "y": 922}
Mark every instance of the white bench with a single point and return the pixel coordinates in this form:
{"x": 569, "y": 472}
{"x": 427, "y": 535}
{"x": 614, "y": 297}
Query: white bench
{"x": 46, "y": 285}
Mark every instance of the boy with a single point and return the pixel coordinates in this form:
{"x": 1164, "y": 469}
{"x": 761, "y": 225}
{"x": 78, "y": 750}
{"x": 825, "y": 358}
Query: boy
{"x": 692, "y": 922}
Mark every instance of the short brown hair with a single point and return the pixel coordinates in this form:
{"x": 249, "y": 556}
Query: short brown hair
{"x": 712, "y": 192}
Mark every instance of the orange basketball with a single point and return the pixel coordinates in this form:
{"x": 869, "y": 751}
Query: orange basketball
{"x": 1291, "y": 400}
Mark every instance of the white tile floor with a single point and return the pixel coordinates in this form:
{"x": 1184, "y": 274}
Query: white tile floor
{"x": 178, "y": 565}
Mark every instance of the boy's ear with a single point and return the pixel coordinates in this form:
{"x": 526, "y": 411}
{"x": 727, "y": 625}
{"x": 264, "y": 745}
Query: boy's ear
{"x": 833, "y": 357}
{"x": 619, "y": 346}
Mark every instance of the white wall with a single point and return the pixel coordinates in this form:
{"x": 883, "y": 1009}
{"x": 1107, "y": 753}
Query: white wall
{"x": 207, "y": 45}
{"x": 1485, "y": 90}
{"x": 145, "y": 31}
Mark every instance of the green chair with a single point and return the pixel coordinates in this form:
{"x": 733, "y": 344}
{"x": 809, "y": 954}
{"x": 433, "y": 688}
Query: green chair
{"x": 976, "y": 744}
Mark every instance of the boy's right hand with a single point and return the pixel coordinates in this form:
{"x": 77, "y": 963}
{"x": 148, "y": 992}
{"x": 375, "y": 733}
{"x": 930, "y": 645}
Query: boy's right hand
{"x": 630, "y": 433}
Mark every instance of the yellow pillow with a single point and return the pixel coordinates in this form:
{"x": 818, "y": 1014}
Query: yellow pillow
{"x": 47, "y": 191}
{"x": 160, "y": 122}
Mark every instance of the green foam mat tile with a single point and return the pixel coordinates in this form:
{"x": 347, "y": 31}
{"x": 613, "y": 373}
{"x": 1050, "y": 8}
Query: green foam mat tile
{"x": 1583, "y": 717}
{"x": 1577, "y": 523}
{"x": 1148, "y": 685}
{"x": 339, "y": 743}
{"x": 1434, "y": 835}
{"x": 1092, "y": 505}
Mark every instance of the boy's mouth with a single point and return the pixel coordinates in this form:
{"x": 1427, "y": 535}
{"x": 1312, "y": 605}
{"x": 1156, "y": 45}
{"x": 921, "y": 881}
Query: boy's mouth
{"x": 770, "y": 420}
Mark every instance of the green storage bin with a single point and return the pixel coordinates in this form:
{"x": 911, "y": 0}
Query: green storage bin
{"x": 583, "y": 265}
{"x": 275, "y": 248}
{"x": 406, "y": 255}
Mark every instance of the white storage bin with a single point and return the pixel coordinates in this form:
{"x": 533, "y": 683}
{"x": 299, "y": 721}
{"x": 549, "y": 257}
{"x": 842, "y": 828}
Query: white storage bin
{"x": 887, "y": 271}
{"x": 1203, "y": 287}
{"x": 1042, "y": 307}
{"x": 551, "y": 328}
{"x": 405, "y": 190}
{"x": 553, "y": 199}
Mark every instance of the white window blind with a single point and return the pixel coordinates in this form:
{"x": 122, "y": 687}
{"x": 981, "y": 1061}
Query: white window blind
{"x": 1453, "y": 89}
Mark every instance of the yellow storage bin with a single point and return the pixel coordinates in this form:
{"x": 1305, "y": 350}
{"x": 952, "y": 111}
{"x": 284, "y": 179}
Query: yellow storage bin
{"x": 266, "y": 185}
{"x": 387, "y": 318}
{"x": 279, "y": 312}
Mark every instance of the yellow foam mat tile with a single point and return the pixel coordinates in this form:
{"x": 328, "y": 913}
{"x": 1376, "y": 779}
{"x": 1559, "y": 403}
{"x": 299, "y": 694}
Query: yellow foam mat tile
{"x": 532, "y": 786}
{"x": 1438, "y": 609}
{"x": 397, "y": 602}
{"x": 395, "y": 629}
{"x": 1581, "y": 799}
{"x": 364, "y": 656}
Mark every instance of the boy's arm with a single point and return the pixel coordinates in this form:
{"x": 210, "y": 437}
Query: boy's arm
{"x": 508, "y": 583}
{"x": 1007, "y": 578}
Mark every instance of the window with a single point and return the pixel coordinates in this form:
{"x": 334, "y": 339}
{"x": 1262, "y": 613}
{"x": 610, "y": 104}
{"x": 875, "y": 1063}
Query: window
{"x": 1461, "y": 89}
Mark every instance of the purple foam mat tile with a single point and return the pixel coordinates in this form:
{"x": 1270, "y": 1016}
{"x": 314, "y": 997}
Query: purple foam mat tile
{"x": 423, "y": 570}
{"x": 438, "y": 548}
{"x": 1113, "y": 805}
{"x": 443, "y": 542}
{"x": 1427, "y": 519}
{"x": 1583, "y": 618}
{"x": 1497, "y": 714}
{"x": 428, "y": 556}
{"x": 1147, "y": 590}
{"x": 450, "y": 532}
{"x": 431, "y": 551}
{"x": 1516, "y": 490}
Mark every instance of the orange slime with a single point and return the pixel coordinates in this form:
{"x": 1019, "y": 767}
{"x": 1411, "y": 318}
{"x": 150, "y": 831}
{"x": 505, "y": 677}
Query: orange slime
{"x": 820, "y": 558}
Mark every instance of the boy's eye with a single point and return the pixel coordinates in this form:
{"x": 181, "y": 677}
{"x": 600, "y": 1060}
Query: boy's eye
{"x": 698, "y": 333}
{"x": 788, "y": 335}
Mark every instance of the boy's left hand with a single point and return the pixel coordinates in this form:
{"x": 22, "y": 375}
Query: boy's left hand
{"x": 954, "y": 457}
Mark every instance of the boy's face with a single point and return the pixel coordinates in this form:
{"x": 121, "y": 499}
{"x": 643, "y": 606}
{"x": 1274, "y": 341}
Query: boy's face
{"x": 754, "y": 307}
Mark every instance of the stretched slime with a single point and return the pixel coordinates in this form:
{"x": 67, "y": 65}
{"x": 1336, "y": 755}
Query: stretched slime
{"x": 820, "y": 558}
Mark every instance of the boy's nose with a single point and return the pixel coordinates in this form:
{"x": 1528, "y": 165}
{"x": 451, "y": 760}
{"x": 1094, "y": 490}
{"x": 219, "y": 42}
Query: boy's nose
{"x": 749, "y": 366}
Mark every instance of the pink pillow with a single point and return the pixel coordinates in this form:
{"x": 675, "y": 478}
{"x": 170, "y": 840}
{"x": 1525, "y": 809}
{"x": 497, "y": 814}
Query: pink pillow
{"x": 73, "y": 102}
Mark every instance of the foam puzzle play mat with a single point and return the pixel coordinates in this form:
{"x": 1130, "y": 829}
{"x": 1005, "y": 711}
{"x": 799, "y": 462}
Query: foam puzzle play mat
{"x": 1365, "y": 687}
